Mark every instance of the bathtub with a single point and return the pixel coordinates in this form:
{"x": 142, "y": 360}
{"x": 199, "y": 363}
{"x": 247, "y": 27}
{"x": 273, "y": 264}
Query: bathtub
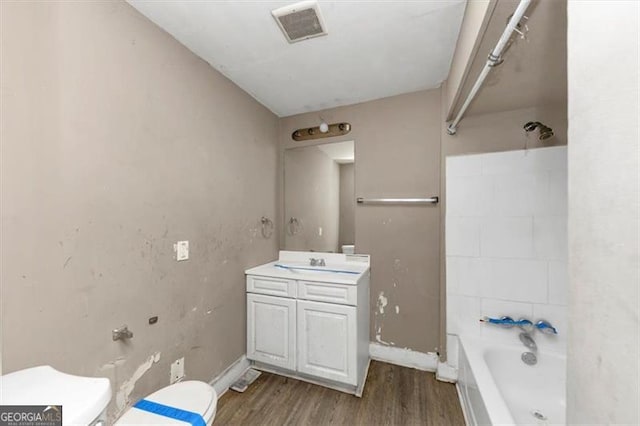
{"x": 497, "y": 388}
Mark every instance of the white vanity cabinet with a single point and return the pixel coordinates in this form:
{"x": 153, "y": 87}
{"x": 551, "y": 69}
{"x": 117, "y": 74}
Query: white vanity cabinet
{"x": 271, "y": 331}
{"x": 313, "y": 330}
{"x": 327, "y": 341}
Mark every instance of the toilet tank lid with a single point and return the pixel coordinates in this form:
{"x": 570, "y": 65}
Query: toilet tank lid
{"x": 82, "y": 398}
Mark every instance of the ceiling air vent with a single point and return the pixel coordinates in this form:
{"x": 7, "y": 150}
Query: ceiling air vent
{"x": 300, "y": 21}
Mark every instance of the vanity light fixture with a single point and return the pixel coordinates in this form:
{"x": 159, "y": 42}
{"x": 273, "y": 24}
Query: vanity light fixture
{"x": 331, "y": 130}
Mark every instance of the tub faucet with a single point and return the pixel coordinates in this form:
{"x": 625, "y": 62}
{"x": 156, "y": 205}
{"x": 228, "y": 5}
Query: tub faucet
{"x": 528, "y": 341}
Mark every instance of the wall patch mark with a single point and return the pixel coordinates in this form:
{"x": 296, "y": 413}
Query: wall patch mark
{"x": 382, "y": 302}
{"x": 122, "y": 396}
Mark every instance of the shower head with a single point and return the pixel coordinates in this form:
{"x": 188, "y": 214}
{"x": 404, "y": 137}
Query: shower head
{"x": 545, "y": 131}
{"x": 531, "y": 126}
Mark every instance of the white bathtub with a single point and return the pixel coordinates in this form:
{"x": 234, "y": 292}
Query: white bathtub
{"x": 497, "y": 388}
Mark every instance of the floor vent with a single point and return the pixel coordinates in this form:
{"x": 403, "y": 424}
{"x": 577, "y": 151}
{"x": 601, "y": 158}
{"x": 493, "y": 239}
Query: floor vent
{"x": 300, "y": 21}
{"x": 243, "y": 383}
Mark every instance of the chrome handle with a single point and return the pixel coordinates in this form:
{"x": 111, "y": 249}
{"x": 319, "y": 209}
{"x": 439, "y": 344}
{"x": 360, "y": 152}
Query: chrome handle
{"x": 430, "y": 200}
{"x": 545, "y": 327}
{"x": 508, "y": 322}
{"x": 525, "y": 325}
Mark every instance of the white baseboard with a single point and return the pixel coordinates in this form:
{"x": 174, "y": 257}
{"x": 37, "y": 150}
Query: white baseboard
{"x": 232, "y": 373}
{"x": 446, "y": 373}
{"x": 389, "y": 354}
{"x": 404, "y": 357}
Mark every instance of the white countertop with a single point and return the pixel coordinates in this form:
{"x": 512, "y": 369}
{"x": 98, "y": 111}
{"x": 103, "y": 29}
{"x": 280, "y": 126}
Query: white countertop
{"x": 301, "y": 270}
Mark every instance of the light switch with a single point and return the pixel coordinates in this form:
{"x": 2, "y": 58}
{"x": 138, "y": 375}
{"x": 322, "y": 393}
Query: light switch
{"x": 182, "y": 250}
{"x": 320, "y": 231}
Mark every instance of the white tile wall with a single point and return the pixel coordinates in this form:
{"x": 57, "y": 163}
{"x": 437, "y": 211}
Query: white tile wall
{"x": 519, "y": 196}
{"x": 557, "y": 198}
{"x": 558, "y": 279}
{"x": 452, "y": 351}
{"x": 467, "y": 165}
{"x": 465, "y": 314}
{"x": 470, "y": 196}
{"x": 506, "y": 242}
{"x": 520, "y": 280}
{"x": 506, "y": 237}
{"x": 467, "y": 275}
{"x": 550, "y": 237}
{"x": 463, "y": 239}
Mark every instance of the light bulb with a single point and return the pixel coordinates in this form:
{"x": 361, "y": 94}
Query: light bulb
{"x": 324, "y": 127}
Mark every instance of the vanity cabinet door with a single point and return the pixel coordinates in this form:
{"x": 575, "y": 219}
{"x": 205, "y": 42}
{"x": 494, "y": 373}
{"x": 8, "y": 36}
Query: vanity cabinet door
{"x": 327, "y": 341}
{"x": 271, "y": 330}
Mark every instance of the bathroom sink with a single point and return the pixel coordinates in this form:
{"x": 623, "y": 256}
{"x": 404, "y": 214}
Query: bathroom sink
{"x": 306, "y": 269}
{"x": 296, "y": 266}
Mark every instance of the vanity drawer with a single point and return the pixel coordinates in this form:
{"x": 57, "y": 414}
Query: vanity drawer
{"x": 271, "y": 286}
{"x": 328, "y": 292}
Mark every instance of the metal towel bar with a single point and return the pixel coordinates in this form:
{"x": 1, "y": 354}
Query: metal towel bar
{"x": 430, "y": 200}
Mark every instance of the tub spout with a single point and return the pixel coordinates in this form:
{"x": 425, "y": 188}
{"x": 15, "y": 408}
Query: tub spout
{"x": 528, "y": 341}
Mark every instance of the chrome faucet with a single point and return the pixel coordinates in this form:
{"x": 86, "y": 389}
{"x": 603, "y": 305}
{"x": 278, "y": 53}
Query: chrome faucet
{"x": 523, "y": 323}
{"x": 528, "y": 341}
{"x": 529, "y": 357}
{"x": 317, "y": 262}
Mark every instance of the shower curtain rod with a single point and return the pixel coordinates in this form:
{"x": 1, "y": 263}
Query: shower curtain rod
{"x": 493, "y": 60}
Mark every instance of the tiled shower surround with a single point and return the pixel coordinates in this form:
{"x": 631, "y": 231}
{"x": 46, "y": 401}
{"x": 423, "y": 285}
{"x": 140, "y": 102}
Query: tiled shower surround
{"x": 506, "y": 243}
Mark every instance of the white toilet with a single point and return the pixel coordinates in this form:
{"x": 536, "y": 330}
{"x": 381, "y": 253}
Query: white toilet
{"x": 191, "y": 396}
{"x": 83, "y": 399}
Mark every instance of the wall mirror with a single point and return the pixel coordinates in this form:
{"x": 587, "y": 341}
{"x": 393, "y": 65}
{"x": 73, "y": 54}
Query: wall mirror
{"x": 319, "y": 198}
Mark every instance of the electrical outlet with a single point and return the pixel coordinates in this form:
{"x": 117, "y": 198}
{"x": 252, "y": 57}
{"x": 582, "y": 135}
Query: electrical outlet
{"x": 182, "y": 250}
{"x": 177, "y": 371}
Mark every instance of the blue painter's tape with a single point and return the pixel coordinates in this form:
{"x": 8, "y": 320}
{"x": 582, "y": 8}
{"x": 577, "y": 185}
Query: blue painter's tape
{"x": 192, "y": 418}
{"x": 302, "y": 268}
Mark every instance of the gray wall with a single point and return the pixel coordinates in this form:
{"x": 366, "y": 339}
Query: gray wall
{"x": 397, "y": 150}
{"x": 312, "y": 195}
{"x": 347, "y": 205}
{"x": 604, "y": 214}
{"x": 117, "y": 142}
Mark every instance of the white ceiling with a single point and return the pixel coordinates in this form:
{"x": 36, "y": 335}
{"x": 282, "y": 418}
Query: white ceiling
{"x": 374, "y": 49}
